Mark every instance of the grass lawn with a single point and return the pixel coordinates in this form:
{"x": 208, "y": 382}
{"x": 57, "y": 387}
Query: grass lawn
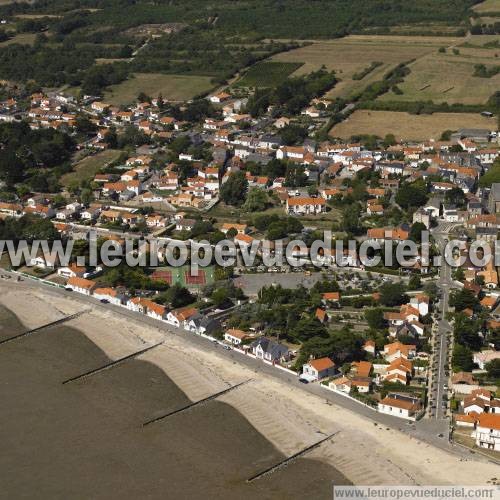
{"x": 89, "y": 166}
{"x": 446, "y": 77}
{"x": 408, "y": 127}
{"x": 171, "y": 87}
{"x": 267, "y": 74}
{"x": 354, "y": 53}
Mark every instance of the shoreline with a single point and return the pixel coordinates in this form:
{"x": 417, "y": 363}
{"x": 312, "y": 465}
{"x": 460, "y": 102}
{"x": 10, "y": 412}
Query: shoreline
{"x": 290, "y": 419}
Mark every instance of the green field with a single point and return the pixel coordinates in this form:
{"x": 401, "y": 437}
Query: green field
{"x": 408, "y": 127}
{"x": 352, "y": 54}
{"x": 89, "y": 166}
{"x": 448, "y": 77}
{"x": 268, "y": 74}
{"x": 171, "y": 87}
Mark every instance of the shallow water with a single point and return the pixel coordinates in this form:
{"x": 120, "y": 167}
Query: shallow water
{"x": 85, "y": 439}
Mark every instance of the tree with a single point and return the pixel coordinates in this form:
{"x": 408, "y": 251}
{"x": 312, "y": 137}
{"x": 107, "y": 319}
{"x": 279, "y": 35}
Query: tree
{"x": 295, "y": 176}
{"x": 392, "y": 294}
{"x": 416, "y": 232}
{"x": 84, "y": 125}
{"x": 178, "y": 296}
{"x": 234, "y": 190}
{"x": 463, "y": 299}
{"x": 351, "y": 219}
{"x": 466, "y": 332}
{"x": 375, "y": 318}
{"x": 389, "y": 140}
{"x": 308, "y": 328}
{"x": 462, "y": 359}
{"x": 456, "y": 197}
{"x": 493, "y": 368}
{"x": 414, "y": 282}
{"x": 292, "y": 134}
{"x": 412, "y": 195}
{"x": 220, "y": 298}
{"x": 257, "y": 200}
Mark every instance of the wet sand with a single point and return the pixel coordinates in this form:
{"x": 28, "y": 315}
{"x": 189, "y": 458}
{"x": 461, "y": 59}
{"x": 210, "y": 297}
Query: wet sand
{"x": 85, "y": 439}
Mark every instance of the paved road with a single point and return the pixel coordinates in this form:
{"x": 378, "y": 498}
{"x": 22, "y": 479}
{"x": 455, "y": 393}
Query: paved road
{"x": 424, "y": 430}
{"x": 438, "y": 394}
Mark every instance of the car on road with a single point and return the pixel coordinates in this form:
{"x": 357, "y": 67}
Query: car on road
{"x": 303, "y": 381}
{"x": 227, "y": 348}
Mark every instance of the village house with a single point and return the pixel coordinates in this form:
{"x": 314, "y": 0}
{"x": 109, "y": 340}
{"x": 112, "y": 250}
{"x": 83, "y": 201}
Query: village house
{"x": 269, "y": 350}
{"x": 202, "y": 324}
{"x": 399, "y": 370}
{"x": 330, "y": 298}
{"x": 487, "y": 432}
{"x": 81, "y": 285}
{"x": 302, "y": 205}
{"x": 400, "y": 405}
{"x": 239, "y": 228}
{"x": 341, "y": 384}
{"x": 110, "y": 295}
{"x": 482, "y": 358}
{"x": 235, "y": 336}
{"x": 49, "y": 262}
{"x": 317, "y": 369}
{"x": 181, "y": 317}
{"x": 370, "y": 347}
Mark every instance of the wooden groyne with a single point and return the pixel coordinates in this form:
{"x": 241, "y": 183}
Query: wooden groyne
{"x": 195, "y": 403}
{"x": 48, "y": 325}
{"x": 289, "y": 460}
{"x": 111, "y": 364}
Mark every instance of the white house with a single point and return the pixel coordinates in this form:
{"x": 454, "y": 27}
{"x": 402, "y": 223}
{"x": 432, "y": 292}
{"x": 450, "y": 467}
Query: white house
{"x": 45, "y": 262}
{"x": 473, "y": 405}
{"x": 299, "y": 205}
{"x": 400, "y": 405}
{"x": 341, "y": 384}
{"x": 317, "y": 369}
{"x": 487, "y": 432}
{"x": 269, "y": 350}
{"x": 81, "y": 285}
{"x": 421, "y": 303}
{"x": 484, "y": 357}
{"x": 235, "y": 336}
{"x": 180, "y": 317}
{"x": 108, "y": 294}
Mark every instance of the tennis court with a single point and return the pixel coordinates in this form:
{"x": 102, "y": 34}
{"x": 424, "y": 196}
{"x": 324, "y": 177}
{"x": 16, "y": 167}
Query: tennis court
{"x": 184, "y": 276}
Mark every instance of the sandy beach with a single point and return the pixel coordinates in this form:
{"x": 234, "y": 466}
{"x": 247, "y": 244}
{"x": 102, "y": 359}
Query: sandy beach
{"x": 287, "y": 417}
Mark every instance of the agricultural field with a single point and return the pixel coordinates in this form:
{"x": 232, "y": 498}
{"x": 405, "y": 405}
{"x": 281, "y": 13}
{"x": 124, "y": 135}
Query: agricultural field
{"x": 448, "y": 77}
{"x": 352, "y": 54}
{"x": 89, "y": 166}
{"x": 171, "y": 87}
{"x": 487, "y": 6}
{"x": 408, "y": 127}
{"x": 267, "y": 74}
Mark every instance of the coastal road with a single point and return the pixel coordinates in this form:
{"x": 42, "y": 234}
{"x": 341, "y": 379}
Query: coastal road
{"x": 420, "y": 430}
